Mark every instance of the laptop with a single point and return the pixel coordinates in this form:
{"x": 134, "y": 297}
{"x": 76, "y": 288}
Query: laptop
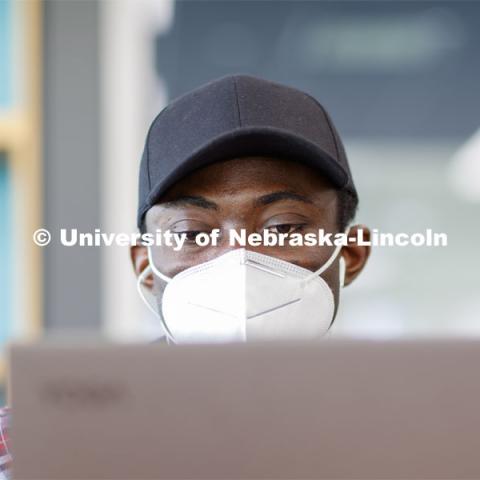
{"x": 334, "y": 409}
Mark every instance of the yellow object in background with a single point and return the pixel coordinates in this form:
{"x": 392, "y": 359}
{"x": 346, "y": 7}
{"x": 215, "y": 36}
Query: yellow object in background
{"x": 20, "y": 172}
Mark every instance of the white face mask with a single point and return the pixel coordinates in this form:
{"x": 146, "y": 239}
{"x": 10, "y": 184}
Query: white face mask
{"x": 243, "y": 296}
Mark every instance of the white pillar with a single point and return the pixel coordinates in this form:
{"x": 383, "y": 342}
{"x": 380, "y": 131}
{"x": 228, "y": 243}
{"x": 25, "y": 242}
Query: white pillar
{"x": 131, "y": 96}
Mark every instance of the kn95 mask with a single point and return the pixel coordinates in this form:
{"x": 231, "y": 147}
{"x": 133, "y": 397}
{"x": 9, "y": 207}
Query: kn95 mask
{"x": 245, "y": 296}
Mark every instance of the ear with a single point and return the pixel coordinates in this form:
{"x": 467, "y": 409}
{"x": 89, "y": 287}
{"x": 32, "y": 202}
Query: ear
{"x": 356, "y": 253}
{"x": 139, "y": 257}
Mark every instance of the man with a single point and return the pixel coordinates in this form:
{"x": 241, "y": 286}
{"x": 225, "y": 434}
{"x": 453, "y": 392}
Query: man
{"x": 242, "y": 153}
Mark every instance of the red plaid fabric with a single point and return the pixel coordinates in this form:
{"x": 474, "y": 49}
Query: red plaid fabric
{"x": 5, "y": 457}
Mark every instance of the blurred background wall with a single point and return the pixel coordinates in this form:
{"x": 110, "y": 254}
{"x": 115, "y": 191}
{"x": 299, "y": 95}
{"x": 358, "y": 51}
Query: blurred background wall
{"x": 401, "y": 80}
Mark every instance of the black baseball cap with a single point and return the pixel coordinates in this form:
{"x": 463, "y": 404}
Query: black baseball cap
{"x": 233, "y": 117}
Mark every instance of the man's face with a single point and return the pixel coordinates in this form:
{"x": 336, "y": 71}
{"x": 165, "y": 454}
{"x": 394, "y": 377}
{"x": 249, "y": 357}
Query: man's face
{"x": 254, "y": 194}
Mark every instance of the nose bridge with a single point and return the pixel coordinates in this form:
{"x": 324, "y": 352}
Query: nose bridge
{"x": 244, "y": 225}
{"x": 246, "y": 222}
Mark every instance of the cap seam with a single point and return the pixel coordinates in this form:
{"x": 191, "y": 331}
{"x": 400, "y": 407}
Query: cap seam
{"x": 148, "y": 148}
{"x": 329, "y": 123}
{"x": 148, "y": 163}
{"x": 237, "y": 101}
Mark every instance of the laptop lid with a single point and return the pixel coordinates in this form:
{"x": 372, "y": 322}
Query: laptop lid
{"x": 363, "y": 409}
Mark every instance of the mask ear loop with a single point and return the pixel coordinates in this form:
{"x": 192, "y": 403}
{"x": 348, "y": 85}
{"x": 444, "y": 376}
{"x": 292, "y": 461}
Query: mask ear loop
{"x": 343, "y": 269}
{"x": 155, "y": 270}
{"x": 329, "y": 262}
{"x": 140, "y": 280}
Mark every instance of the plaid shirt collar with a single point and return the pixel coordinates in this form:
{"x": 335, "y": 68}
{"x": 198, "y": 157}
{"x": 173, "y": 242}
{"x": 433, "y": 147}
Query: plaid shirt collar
{"x": 5, "y": 457}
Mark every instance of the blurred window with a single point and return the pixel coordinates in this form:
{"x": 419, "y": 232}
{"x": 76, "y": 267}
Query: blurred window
{"x": 5, "y": 251}
{"x": 5, "y": 53}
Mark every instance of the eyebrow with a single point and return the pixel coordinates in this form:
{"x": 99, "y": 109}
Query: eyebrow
{"x": 202, "y": 202}
{"x": 282, "y": 195}
{"x": 194, "y": 200}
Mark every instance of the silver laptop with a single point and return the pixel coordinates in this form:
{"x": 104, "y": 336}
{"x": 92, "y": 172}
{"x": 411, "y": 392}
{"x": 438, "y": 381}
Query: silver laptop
{"x": 406, "y": 409}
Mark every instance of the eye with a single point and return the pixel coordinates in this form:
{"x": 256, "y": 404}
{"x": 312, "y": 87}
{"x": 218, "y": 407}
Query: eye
{"x": 285, "y": 228}
{"x": 191, "y": 235}
{"x": 190, "y": 228}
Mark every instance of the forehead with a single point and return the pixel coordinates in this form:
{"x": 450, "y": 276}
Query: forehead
{"x": 250, "y": 176}
{"x": 238, "y": 188}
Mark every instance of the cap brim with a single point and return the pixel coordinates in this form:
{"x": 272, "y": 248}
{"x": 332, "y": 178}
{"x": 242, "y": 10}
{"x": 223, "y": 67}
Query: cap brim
{"x": 252, "y": 141}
